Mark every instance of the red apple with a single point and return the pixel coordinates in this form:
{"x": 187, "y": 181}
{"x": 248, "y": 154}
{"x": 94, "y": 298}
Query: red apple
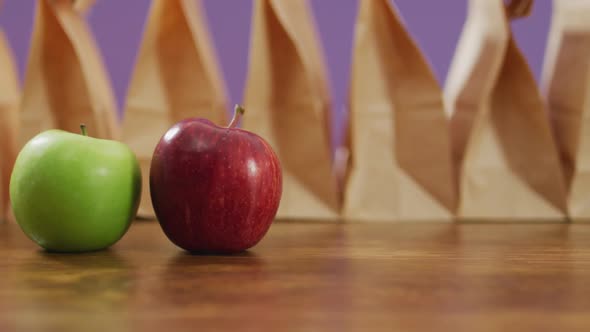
{"x": 214, "y": 189}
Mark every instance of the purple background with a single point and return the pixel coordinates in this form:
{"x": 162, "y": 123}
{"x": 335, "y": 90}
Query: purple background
{"x": 118, "y": 25}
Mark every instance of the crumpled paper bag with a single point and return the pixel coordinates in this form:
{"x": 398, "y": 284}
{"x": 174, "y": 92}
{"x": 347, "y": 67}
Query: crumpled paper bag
{"x": 503, "y": 147}
{"x": 9, "y": 100}
{"x": 400, "y": 159}
{"x": 176, "y": 77}
{"x": 288, "y": 104}
{"x": 566, "y": 81}
{"x": 66, "y": 83}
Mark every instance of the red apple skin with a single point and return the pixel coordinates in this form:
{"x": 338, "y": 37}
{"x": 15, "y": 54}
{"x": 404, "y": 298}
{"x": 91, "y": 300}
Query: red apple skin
{"x": 214, "y": 189}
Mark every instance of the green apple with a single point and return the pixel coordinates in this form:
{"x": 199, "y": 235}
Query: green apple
{"x": 74, "y": 193}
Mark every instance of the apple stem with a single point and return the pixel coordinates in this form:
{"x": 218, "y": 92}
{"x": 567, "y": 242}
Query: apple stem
{"x": 83, "y": 129}
{"x": 238, "y": 112}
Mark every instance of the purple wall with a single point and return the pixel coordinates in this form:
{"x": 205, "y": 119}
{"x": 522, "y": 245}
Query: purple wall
{"x": 118, "y": 26}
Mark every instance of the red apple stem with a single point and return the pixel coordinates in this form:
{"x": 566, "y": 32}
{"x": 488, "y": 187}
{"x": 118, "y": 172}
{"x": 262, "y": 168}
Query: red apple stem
{"x": 238, "y": 112}
{"x": 83, "y": 129}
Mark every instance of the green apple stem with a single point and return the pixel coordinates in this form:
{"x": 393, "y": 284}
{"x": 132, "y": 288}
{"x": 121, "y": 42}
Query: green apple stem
{"x": 83, "y": 129}
{"x": 238, "y": 112}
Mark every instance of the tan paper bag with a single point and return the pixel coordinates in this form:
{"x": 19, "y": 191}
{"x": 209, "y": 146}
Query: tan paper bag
{"x": 66, "y": 83}
{"x": 566, "y": 80}
{"x": 287, "y": 103}
{"x": 9, "y": 99}
{"x": 400, "y": 166}
{"x": 502, "y": 142}
{"x": 176, "y": 77}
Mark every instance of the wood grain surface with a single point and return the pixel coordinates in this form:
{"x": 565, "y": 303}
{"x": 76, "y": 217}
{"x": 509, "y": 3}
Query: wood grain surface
{"x": 309, "y": 277}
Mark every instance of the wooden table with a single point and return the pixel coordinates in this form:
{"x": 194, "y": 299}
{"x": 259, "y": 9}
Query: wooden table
{"x": 309, "y": 277}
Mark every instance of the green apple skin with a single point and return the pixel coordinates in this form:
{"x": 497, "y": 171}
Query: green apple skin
{"x": 73, "y": 193}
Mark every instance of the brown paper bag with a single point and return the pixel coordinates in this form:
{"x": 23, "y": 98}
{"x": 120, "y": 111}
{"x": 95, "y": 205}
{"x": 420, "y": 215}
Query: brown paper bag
{"x": 176, "y": 77}
{"x": 66, "y": 83}
{"x": 566, "y": 80}
{"x": 287, "y": 103}
{"x": 502, "y": 142}
{"x": 9, "y": 99}
{"x": 400, "y": 166}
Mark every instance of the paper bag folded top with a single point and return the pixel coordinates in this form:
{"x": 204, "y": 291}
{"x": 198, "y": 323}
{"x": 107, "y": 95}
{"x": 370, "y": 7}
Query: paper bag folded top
{"x": 9, "y": 99}
{"x": 287, "y": 103}
{"x": 503, "y": 147}
{"x": 176, "y": 77}
{"x": 66, "y": 83}
{"x": 398, "y": 135}
{"x": 566, "y": 80}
